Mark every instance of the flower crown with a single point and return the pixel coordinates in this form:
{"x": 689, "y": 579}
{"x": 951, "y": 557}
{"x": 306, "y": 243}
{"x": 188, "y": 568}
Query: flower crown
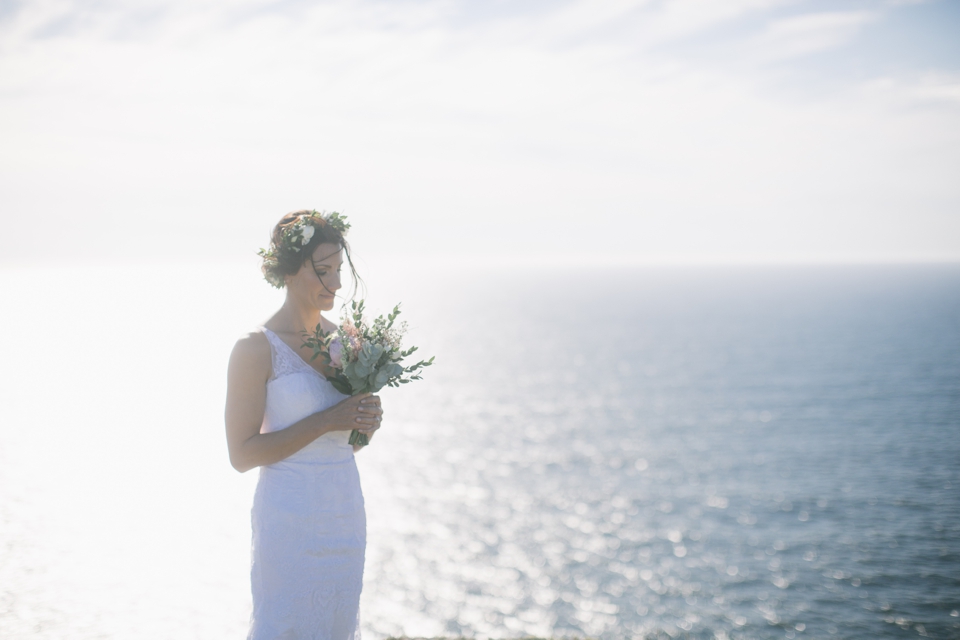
{"x": 294, "y": 238}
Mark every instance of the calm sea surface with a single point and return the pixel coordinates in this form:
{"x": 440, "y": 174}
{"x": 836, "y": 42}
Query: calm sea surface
{"x": 684, "y": 453}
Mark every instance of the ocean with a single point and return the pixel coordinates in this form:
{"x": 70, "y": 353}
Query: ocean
{"x": 717, "y": 453}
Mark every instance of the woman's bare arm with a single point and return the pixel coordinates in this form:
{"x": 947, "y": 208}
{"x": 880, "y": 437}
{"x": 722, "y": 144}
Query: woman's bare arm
{"x": 247, "y": 377}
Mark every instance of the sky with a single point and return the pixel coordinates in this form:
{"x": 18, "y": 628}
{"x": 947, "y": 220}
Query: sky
{"x": 600, "y": 131}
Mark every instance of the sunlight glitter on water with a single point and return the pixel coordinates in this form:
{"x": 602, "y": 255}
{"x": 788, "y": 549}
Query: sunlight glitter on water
{"x": 785, "y": 468}
{"x": 119, "y": 506}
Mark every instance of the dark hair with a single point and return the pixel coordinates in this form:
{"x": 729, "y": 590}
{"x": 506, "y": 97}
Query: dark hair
{"x": 282, "y": 260}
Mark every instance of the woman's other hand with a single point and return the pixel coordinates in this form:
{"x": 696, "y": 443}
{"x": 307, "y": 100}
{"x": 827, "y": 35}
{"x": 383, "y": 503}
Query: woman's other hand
{"x": 362, "y": 412}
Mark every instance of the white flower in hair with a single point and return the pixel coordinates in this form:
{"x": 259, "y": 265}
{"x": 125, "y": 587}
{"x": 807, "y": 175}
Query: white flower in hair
{"x": 307, "y": 233}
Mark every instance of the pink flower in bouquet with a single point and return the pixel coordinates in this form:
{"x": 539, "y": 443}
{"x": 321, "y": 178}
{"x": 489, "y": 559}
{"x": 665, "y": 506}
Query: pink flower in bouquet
{"x": 349, "y": 329}
{"x": 336, "y": 353}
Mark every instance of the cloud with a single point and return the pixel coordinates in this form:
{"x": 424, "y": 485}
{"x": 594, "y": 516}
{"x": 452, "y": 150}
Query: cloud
{"x": 422, "y": 122}
{"x": 927, "y": 90}
{"x": 683, "y": 18}
{"x": 810, "y": 33}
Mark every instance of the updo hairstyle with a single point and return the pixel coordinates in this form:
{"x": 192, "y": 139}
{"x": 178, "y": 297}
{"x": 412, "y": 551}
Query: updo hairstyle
{"x": 284, "y": 260}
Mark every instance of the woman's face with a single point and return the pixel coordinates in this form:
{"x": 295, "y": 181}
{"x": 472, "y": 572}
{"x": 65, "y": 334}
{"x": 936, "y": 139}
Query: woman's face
{"x": 318, "y": 279}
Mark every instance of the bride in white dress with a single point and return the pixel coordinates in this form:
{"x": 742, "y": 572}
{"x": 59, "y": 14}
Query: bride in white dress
{"x": 309, "y": 525}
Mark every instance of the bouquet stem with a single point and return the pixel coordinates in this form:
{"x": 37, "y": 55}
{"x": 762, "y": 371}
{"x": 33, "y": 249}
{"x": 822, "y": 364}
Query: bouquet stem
{"x": 358, "y": 438}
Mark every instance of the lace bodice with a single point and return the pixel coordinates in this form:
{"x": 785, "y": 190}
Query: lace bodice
{"x": 284, "y": 359}
{"x": 295, "y": 391}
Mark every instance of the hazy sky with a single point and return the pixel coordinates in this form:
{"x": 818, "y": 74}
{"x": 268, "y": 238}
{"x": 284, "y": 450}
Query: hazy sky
{"x": 621, "y": 130}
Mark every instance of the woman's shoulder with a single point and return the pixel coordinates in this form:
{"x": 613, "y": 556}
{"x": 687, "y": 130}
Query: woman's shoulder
{"x": 254, "y": 339}
{"x": 252, "y": 348}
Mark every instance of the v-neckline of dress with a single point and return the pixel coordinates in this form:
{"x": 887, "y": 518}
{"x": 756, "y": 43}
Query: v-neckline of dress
{"x": 295, "y": 353}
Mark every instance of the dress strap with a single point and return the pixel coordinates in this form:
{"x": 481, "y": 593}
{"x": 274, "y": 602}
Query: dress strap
{"x": 284, "y": 359}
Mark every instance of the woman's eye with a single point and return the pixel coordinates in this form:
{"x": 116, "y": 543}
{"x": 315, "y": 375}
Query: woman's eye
{"x": 321, "y": 273}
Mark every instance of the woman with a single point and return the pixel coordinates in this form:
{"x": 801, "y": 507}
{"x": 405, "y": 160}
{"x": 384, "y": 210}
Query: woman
{"x": 309, "y": 525}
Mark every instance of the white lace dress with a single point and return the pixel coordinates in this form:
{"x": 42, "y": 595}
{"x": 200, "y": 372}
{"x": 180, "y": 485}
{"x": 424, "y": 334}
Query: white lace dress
{"x": 309, "y": 525}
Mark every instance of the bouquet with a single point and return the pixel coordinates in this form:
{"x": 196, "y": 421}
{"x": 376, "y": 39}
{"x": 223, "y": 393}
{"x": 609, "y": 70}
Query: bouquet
{"x": 364, "y": 357}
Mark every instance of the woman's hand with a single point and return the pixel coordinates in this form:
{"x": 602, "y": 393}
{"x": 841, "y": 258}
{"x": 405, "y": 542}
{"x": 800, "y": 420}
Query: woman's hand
{"x": 372, "y": 407}
{"x": 362, "y": 412}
